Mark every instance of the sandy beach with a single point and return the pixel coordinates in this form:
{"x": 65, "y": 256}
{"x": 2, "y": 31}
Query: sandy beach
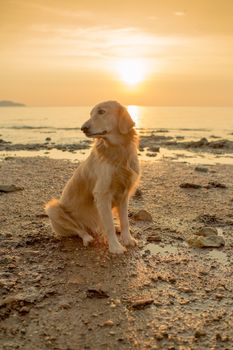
{"x": 76, "y": 72}
{"x": 164, "y": 294}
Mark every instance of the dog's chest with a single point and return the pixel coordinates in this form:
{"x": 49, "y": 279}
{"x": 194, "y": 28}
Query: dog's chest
{"x": 123, "y": 181}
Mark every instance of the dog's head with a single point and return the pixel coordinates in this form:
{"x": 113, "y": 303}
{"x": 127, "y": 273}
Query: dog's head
{"x": 108, "y": 118}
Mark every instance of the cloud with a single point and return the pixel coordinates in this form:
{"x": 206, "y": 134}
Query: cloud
{"x": 100, "y": 41}
{"x": 76, "y": 47}
{"x": 179, "y": 13}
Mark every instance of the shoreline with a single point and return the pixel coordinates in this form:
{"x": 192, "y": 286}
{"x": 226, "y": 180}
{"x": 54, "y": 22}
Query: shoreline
{"x": 157, "y": 145}
{"x": 179, "y": 290}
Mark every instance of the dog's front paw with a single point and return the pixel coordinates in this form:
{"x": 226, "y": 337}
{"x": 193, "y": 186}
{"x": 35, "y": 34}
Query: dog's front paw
{"x": 116, "y": 248}
{"x": 129, "y": 241}
{"x": 87, "y": 239}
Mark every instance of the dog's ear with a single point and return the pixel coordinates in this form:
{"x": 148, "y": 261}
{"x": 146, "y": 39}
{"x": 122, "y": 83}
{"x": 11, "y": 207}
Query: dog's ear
{"x": 125, "y": 121}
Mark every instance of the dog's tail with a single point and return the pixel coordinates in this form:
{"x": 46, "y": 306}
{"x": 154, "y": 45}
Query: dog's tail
{"x": 61, "y": 221}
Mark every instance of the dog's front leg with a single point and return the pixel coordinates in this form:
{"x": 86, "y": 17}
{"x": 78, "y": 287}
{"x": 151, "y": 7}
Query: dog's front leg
{"x": 126, "y": 237}
{"x": 104, "y": 207}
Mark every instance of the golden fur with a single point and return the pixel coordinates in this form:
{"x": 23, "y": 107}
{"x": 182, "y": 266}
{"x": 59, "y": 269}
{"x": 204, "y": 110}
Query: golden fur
{"x": 102, "y": 182}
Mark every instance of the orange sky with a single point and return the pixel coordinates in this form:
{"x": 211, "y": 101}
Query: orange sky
{"x": 151, "y": 52}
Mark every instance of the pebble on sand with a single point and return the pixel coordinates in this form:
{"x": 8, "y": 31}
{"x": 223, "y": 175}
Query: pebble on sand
{"x": 205, "y": 242}
{"x": 142, "y": 215}
{"x": 207, "y": 231}
{"x": 201, "y": 169}
{"x": 108, "y": 323}
{"x": 10, "y": 188}
{"x": 190, "y": 185}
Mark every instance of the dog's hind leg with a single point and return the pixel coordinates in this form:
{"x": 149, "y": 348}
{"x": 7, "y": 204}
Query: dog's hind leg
{"x": 63, "y": 224}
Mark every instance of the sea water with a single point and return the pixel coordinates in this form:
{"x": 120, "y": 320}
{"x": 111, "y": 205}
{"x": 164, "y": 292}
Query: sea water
{"x": 27, "y": 125}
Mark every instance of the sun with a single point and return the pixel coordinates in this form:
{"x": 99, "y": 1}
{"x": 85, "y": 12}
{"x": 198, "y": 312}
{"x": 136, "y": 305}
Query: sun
{"x": 131, "y": 72}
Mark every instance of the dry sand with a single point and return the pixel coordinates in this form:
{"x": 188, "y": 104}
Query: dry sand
{"x": 160, "y": 295}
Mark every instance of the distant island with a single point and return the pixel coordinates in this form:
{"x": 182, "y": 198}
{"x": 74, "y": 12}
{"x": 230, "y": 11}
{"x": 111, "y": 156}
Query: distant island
{"x": 11, "y": 104}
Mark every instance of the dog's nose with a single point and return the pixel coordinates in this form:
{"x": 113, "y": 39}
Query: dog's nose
{"x": 85, "y": 128}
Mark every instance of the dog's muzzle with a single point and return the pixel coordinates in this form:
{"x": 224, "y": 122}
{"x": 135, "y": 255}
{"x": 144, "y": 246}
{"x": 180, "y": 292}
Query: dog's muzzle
{"x": 88, "y": 132}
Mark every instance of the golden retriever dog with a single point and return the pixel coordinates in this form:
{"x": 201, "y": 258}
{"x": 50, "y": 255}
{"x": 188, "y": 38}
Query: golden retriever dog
{"x": 103, "y": 182}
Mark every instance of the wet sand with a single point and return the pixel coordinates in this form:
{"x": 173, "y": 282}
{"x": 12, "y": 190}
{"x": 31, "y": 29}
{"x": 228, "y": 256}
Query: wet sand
{"x": 157, "y": 144}
{"x": 161, "y": 295}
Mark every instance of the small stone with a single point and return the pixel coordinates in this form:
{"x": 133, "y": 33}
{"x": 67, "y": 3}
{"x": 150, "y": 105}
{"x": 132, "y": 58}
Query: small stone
{"x": 48, "y": 139}
{"x": 210, "y": 241}
{"x": 64, "y": 305}
{"x": 138, "y": 193}
{"x": 208, "y": 219}
{"x": 24, "y": 310}
{"x": 158, "y": 336}
{"x": 199, "y": 333}
{"x": 121, "y": 339}
{"x": 149, "y": 154}
{"x": 185, "y": 289}
{"x": 153, "y": 238}
{"x": 142, "y": 215}
{"x": 141, "y": 303}
{"x": 207, "y": 231}
{"x": 214, "y": 184}
{"x": 10, "y": 188}
{"x": 108, "y": 323}
{"x": 96, "y": 293}
{"x": 201, "y": 169}
{"x": 154, "y": 148}
{"x": 219, "y": 296}
{"x": 190, "y": 185}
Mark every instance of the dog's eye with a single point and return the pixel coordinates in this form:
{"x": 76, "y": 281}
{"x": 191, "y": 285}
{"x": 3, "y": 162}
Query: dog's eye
{"x": 101, "y": 111}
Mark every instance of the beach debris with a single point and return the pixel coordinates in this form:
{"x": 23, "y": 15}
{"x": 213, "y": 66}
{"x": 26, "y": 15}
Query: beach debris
{"x": 138, "y": 193}
{"x": 219, "y": 144}
{"x": 206, "y": 237}
{"x": 215, "y": 137}
{"x": 154, "y": 149}
{"x": 208, "y": 219}
{"x": 201, "y": 169}
{"x": 10, "y": 188}
{"x": 108, "y": 323}
{"x": 214, "y": 184}
{"x": 45, "y": 146}
{"x": 190, "y": 185}
{"x": 4, "y": 142}
{"x": 140, "y": 304}
{"x": 21, "y": 301}
{"x": 161, "y": 130}
{"x": 206, "y": 242}
{"x": 96, "y": 293}
{"x": 48, "y": 139}
{"x": 142, "y": 215}
{"x": 202, "y": 142}
{"x": 149, "y": 154}
{"x": 207, "y": 231}
{"x": 153, "y": 238}
{"x": 199, "y": 333}
{"x": 42, "y": 215}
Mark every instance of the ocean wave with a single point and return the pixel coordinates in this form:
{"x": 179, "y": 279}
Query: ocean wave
{"x": 31, "y": 127}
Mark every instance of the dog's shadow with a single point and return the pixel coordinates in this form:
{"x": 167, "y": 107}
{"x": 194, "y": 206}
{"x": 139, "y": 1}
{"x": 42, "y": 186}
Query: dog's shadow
{"x": 95, "y": 267}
